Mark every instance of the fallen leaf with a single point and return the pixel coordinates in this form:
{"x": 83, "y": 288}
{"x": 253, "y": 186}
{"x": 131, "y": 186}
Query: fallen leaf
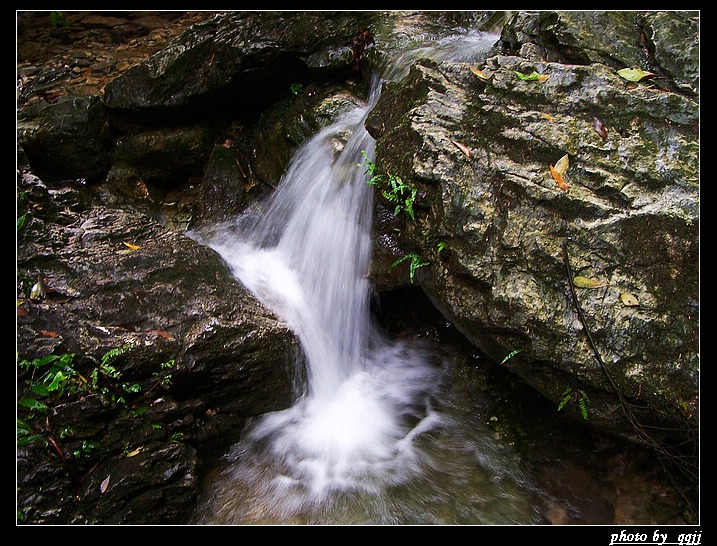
{"x": 38, "y": 290}
{"x": 48, "y": 334}
{"x": 135, "y": 452}
{"x": 599, "y": 128}
{"x": 131, "y": 246}
{"x": 629, "y": 300}
{"x": 104, "y": 484}
{"x": 478, "y": 73}
{"x": 532, "y": 77}
{"x": 586, "y": 282}
{"x": 635, "y": 74}
{"x": 547, "y": 116}
{"x": 463, "y": 148}
{"x": 562, "y": 165}
{"x": 162, "y": 334}
{"x": 558, "y": 178}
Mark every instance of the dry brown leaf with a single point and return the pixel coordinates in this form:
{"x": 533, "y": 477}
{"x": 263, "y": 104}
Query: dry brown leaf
{"x": 135, "y": 452}
{"x": 558, "y": 178}
{"x": 48, "y": 334}
{"x": 599, "y": 128}
{"x": 162, "y": 333}
{"x": 478, "y": 73}
{"x": 463, "y": 148}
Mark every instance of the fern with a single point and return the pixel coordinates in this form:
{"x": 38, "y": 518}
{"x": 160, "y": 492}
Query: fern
{"x": 581, "y": 399}
{"x": 583, "y": 404}
{"x": 112, "y": 354}
{"x": 395, "y": 190}
{"x": 416, "y": 262}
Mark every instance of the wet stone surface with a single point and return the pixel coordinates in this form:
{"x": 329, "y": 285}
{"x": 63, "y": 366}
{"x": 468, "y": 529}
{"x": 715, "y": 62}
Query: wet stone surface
{"x": 78, "y": 53}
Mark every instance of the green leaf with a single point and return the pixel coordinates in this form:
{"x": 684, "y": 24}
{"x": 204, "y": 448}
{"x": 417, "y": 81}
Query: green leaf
{"x": 40, "y": 390}
{"x": 32, "y": 404}
{"x": 21, "y": 222}
{"x": 533, "y": 76}
{"x": 510, "y": 355}
{"x": 634, "y": 74}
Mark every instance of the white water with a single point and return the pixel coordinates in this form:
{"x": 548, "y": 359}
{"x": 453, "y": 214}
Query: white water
{"x": 364, "y": 442}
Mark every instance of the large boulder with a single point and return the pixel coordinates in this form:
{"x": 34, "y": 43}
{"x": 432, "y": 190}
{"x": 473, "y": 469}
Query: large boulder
{"x": 162, "y": 353}
{"x": 589, "y": 282}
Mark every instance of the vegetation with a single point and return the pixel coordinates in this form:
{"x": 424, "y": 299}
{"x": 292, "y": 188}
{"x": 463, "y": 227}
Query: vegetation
{"x": 402, "y": 195}
{"x": 392, "y": 188}
{"x": 416, "y": 262}
{"x": 579, "y": 397}
{"x": 57, "y": 19}
{"x": 55, "y": 379}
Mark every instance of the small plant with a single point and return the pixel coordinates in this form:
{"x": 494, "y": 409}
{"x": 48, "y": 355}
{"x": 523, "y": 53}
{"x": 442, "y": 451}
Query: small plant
{"x": 416, "y": 262}
{"x": 85, "y": 451}
{"x": 394, "y": 190}
{"x": 59, "y": 378}
{"x": 579, "y": 397}
{"x": 110, "y": 376}
{"x": 296, "y": 88}
{"x": 25, "y": 434}
{"x": 21, "y": 222}
{"x": 163, "y": 376}
{"x": 510, "y": 355}
{"x": 57, "y": 18}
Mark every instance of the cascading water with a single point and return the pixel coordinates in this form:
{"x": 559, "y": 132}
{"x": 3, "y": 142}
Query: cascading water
{"x": 364, "y": 442}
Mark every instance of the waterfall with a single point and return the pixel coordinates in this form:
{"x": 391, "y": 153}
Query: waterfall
{"x": 307, "y": 258}
{"x": 355, "y": 429}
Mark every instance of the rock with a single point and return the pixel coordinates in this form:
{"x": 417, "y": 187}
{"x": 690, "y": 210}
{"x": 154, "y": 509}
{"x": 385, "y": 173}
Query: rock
{"x": 509, "y": 232}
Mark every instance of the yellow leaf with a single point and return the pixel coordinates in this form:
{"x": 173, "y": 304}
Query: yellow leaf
{"x": 135, "y": 452}
{"x": 131, "y": 246}
{"x": 635, "y": 74}
{"x": 478, "y": 73}
{"x": 562, "y": 165}
{"x": 629, "y": 300}
{"x": 543, "y": 77}
{"x": 547, "y": 116}
{"x": 586, "y": 282}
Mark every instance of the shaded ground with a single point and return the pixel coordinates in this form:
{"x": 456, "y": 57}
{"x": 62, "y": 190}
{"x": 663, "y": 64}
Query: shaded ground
{"x": 78, "y": 53}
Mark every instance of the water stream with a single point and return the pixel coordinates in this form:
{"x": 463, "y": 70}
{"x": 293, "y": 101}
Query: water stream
{"x": 382, "y": 431}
